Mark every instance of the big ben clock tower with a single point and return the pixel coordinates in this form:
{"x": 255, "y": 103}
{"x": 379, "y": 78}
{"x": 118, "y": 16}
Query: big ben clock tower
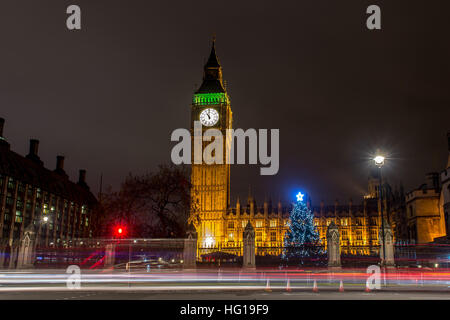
{"x": 211, "y": 182}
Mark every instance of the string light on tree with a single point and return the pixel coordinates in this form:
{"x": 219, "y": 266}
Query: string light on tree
{"x": 302, "y": 239}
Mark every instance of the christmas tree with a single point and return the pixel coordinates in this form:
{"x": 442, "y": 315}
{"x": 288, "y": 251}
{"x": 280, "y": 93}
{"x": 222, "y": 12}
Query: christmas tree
{"x": 302, "y": 238}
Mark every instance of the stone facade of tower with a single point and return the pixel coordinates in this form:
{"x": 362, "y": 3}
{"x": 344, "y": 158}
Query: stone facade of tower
{"x": 210, "y": 182}
{"x": 428, "y": 206}
{"x": 444, "y": 202}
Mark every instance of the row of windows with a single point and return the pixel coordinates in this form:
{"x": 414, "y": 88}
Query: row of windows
{"x": 346, "y": 221}
{"x": 45, "y": 205}
{"x": 274, "y": 222}
{"x": 272, "y": 236}
{"x": 258, "y": 224}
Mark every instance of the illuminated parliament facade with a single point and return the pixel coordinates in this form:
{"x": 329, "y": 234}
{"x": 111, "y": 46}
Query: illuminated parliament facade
{"x": 220, "y": 226}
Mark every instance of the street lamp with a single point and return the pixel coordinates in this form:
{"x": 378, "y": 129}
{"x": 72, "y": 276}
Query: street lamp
{"x": 43, "y": 221}
{"x": 379, "y": 162}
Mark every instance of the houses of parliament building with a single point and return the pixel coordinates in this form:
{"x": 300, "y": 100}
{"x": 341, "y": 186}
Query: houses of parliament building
{"x": 220, "y": 226}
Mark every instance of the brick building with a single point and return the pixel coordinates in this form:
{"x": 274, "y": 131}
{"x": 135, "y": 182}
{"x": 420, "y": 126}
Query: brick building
{"x": 43, "y": 200}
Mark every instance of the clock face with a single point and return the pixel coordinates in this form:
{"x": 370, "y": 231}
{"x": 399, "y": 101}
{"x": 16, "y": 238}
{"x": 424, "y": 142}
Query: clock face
{"x": 209, "y": 117}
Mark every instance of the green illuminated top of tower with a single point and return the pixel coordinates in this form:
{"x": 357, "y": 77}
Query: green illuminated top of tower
{"x": 212, "y": 90}
{"x": 210, "y": 98}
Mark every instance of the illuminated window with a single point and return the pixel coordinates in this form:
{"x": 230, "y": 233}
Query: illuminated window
{"x": 258, "y": 223}
{"x": 230, "y": 225}
{"x": 328, "y": 222}
{"x": 373, "y": 234}
{"x": 273, "y": 236}
{"x": 18, "y": 216}
{"x": 259, "y": 236}
{"x": 273, "y": 223}
{"x": 11, "y": 183}
{"x": 244, "y": 224}
{"x": 343, "y": 222}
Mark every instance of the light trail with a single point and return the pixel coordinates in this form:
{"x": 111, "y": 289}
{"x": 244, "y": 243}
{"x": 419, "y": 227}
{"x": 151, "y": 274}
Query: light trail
{"x": 223, "y": 280}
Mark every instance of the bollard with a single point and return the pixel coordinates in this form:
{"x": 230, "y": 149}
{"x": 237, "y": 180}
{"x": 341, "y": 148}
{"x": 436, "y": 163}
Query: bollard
{"x": 315, "y": 289}
{"x": 341, "y": 287}
{"x": 268, "y": 286}
{"x": 288, "y": 285}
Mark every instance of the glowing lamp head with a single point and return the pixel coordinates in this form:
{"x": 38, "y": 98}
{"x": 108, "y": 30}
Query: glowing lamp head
{"x": 379, "y": 161}
{"x": 119, "y": 231}
{"x": 300, "y": 196}
{"x": 45, "y": 219}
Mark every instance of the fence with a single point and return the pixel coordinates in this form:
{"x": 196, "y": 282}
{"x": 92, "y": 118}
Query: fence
{"x": 408, "y": 253}
{"x": 127, "y": 253}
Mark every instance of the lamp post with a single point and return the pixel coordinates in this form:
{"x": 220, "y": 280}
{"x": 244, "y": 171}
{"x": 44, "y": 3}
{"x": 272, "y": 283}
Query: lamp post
{"x": 379, "y": 162}
{"x": 42, "y": 221}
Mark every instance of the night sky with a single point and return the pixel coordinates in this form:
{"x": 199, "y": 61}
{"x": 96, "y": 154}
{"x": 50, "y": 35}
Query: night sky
{"x": 108, "y": 97}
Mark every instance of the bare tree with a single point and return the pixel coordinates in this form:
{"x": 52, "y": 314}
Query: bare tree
{"x": 152, "y": 205}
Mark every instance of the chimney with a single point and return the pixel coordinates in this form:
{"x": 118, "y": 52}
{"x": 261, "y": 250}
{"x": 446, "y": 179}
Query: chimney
{"x": 82, "y": 179}
{"x": 34, "y": 146}
{"x": 448, "y": 140}
{"x": 2, "y": 123}
{"x": 60, "y": 166}
{"x": 33, "y": 154}
{"x": 60, "y": 163}
{"x": 3, "y": 142}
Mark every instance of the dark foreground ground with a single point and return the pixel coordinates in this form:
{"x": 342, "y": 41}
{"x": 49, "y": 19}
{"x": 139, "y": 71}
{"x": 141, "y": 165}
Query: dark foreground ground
{"x": 274, "y": 295}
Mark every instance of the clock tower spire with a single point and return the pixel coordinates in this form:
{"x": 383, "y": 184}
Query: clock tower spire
{"x": 212, "y": 74}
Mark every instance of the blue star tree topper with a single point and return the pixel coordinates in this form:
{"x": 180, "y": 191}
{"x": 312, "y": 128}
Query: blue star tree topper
{"x": 300, "y": 196}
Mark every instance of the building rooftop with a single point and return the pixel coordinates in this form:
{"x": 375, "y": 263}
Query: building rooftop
{"x": 30, "y": 170}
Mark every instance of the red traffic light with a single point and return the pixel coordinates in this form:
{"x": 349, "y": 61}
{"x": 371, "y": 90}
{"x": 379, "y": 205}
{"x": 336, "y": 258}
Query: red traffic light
{"x": 120, "y": 231}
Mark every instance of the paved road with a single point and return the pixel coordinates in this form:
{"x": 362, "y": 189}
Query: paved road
{"x": 211, "y": 285}
{"x": 219, "y": 295}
